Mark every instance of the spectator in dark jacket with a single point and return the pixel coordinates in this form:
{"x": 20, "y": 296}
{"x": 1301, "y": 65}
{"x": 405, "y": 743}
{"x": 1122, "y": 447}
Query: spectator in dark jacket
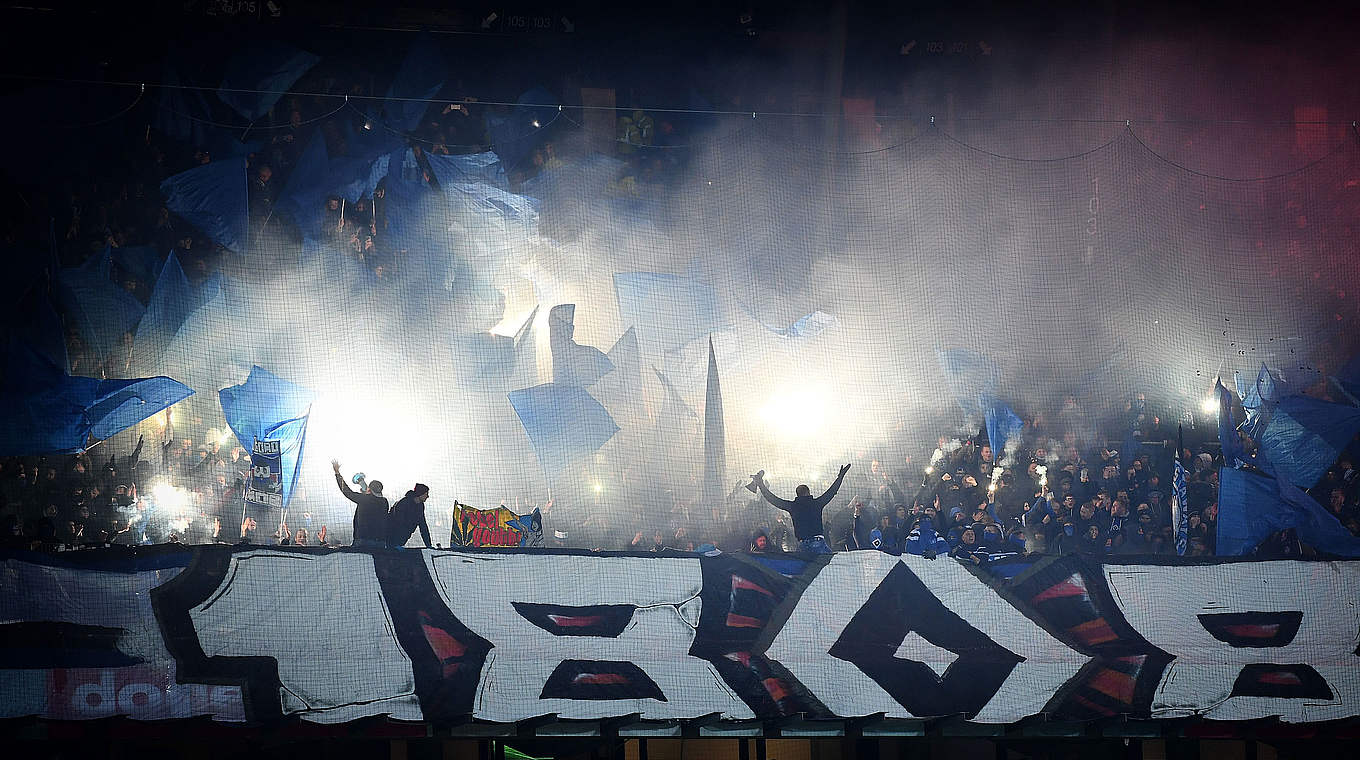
{"x": 409, "y": 514}
{"x": 370, "y": 512}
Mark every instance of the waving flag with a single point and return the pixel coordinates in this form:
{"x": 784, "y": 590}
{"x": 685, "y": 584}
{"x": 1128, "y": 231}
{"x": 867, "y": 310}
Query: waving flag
{"x": 573, "y": 363}
{"x": 260, "y": 73}
{"x": 420, "y": 78}
{"x": 101, "y": 311}
{"x": 565, "y": 423}
{"x": 269, "y": 408}
{"x": 213, "y": 198}
{"x": 1305, "y": 436}
{"x": 668, "y": 311}
{"x": 1251, "y": 507}
{"x": 1227, "y": 433}
{"x": 1003, "y": 424}
{"x": 48, "y": 411}
{"x": 1180, "y": 516}
{"x": 715, "y": 437}
{"x": 970, "y": 376}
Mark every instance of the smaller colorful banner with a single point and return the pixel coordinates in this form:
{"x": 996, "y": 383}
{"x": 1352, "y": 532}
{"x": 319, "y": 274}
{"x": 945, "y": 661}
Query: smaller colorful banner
{"x": 497, "y": 527}
{"x": 266, "y": 474}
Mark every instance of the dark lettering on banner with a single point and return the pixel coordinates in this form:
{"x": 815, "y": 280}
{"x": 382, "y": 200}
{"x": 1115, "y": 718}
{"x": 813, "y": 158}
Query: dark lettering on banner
{"x": 594, "y": 679}
{"x": 415, "y": 635}
{"x": 446, "y": 656}
{"x": 1071, "y": 601}
{"x": 607, "y": 620}
{"x": 257, "y": 676}
{"x": 1253, "y": 629}
{"x": 1281, "y": 682}
{"x": 901, "y": 605}
{"x": 266, "y": 474}
{"x": 745, "y": 603}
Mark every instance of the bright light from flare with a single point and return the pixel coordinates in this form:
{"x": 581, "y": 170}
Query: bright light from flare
{"x": 598, "y": 487}
{"x": 372, "y": 434}
{"x": 1209, "y": 405}
{"x": 930, "y": 470}
{"x": 991, "y": 487}
{"x": 797, "y": 412}
{"x": 169, "y": 497}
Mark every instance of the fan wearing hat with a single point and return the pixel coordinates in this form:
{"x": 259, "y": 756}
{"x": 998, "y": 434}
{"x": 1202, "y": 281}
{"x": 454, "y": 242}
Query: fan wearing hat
{"x": 409, "y": 514}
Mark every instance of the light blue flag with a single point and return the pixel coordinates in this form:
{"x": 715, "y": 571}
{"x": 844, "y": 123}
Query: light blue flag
{"x": 970, "y": 376}
{"x": 1305, "y": 436}
{"x": 1251, "y": 507}
{"x": 573, "y": 363}
{"x": 1003, "y": 424}
{"x": 810, "y": 326}
{"x": 1227, "y": 433}
{"x": 668, "y": 311}
{"x": 172, "y": 302}
{"x": 268, "y": 408}
{"x": 565, "y": 424}
{"x": 1259, "y": 402}
{"x": 48, "y": 411}
{"x": 139, "y": 261}
{"x": 420, "y": 78}
{"x": 213, "y": 198}
{"x": 101, "y": 311}
{"x": 259, "y": 73}
{"x": 470, "y": 168}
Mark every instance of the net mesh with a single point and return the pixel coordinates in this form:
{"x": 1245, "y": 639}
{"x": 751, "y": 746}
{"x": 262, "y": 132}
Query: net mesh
{"x": 1081, "y": 263}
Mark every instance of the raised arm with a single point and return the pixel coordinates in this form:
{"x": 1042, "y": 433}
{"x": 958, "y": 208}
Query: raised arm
{"x": 345, "y": 490}
{"x": 830, "y": 494}
{"x": 771, "y": 498}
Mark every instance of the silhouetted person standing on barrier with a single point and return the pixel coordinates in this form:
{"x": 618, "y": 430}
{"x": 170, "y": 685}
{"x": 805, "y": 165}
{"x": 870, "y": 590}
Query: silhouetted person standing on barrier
{"x": 409, "y": 514}
{"x": 370, "y": 511}
{"x": 804, "y": 509}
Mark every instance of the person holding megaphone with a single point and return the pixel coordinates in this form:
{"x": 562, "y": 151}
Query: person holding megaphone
{"x": 370, "y": 509}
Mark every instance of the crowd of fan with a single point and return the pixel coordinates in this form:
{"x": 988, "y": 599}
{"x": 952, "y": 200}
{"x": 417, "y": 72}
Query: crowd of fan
{"x": 1055, "y": 493}
{"x": 1049, "y": 495}
{"x": 1045, "y": 494}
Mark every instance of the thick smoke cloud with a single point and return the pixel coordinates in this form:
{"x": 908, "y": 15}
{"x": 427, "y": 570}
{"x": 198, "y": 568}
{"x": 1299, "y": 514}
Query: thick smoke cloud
{"x": 1090, "y": 261}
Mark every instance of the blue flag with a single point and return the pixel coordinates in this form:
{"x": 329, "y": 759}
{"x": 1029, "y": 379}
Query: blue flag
{"x": 1227, "y": 433}
{"x": 304, "y": 193}
{"x": 213, "y": 198}
{"x": 141, "y": 262}
{"x": 258, "y": 75}
{"x": 420, "y": 78}
{"x": 565, "y": 423}
{"x": 269, "y": 408}
{"x": 1258, "y": 402}
{"x": 970, "y": 376}
{"x": 120, "y": 404}
{"x": 472, "y": 168}
{"x": 34, "y": 319}
{"x": 668, "y": 311}
{"x": 48, "y": 411}
{"x": 173, "y": 300}
{"x": 1305, "y": 436}
{"x": 515, "y": 135}
{"x": 573, "y": 363}
{"x": 101, "y": 311}
{"x": 1003, "y": 424}
{"x": 1251, "y": 507}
